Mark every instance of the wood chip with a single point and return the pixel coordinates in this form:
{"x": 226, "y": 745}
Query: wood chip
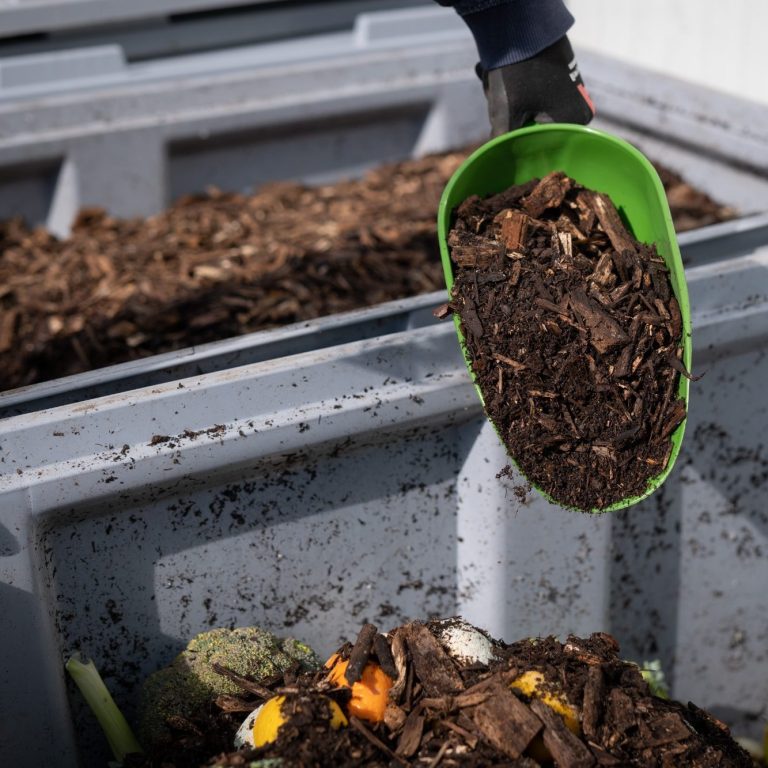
{"x": 550, "y": 306}
{"x": 434, "y": 668}
{"x": 514, "y": 230}
{"x": 565, "y": 244}
{"x": 227, "y": 703}
{"x": 676, "y": 317}
{"x": 377, "y": 742}
{"x": 410, "y": 738}
{"x": 566, "y": 748}
{"x": 605, "y": 333}
{"x": 469, "y": 738}
{"x": 667, "y": 729}
{"x": 514, "y": 364}
{"x": 620, "y": 714}
{"x": 565, "y": 224}
{"x": 8, "y": 322}
{"x": 400, "y": 656}
{"x": 361, "y": 651}
{"x": 242, "y": 682}
{"x": 473, "y": 251}
{"x": 394, "y": 717}
{"x": 675, "y": 415}
{"x": 471, "y": 319}
{"x": 677, "y": 365}
{"x": 384, "y": 655}
{"x": 439, "y": 756}
{"x": 604, "y": 758}
{"x": 604, "y": 274}
{"x": 587, "y": 215}
{"x": 446, "y": 704}
{"x": 505, "y": 722}
{"x": 591, "y": 707}
{"x": 610, "y": 221}
{"x": 548, "y": 193}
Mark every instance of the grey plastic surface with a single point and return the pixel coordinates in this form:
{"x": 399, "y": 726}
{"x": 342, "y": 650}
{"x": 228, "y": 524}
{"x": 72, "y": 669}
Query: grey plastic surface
{"x": 356, "y": 481}
{"x": 25, "y": 71}
{"x": 30, "y": 16}
{"x": 400, "y": 83}
{"x": 159, "y": 34}
{"x": 311, "y": 493}
{"x": 313, "y": 110}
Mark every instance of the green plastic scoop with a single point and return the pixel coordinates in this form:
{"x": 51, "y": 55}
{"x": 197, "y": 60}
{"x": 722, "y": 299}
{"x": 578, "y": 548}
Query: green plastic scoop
{"x": 597, "y": 161}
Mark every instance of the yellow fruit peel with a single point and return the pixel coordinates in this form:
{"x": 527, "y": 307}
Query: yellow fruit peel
{"x": 531, "y": 684}
{"x": 268, "y": 722}
{"x": 272, "y": 716}
{"x": 338, "y": 718}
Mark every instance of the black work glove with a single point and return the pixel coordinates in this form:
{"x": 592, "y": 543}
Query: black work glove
{"x": 546, "y": 88}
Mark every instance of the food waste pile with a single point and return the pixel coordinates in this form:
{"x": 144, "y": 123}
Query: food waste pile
{"x": 438, "y": 693}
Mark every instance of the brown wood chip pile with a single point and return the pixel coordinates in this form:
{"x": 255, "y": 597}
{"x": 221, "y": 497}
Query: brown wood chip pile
{"x": 691, "y": 208}
{"x": 221, "y": 264}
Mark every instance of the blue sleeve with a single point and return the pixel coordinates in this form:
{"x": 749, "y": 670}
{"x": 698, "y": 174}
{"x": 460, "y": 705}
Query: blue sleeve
{"x": 508, "y": 31}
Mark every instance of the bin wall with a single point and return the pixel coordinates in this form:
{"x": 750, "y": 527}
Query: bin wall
{"x": 135, "y": 136}
{"x": 358, "y": 482}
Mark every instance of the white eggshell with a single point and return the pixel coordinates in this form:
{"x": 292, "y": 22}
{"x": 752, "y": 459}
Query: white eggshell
{"x": 465, "y": 643}
{"x": 244, "y": 735}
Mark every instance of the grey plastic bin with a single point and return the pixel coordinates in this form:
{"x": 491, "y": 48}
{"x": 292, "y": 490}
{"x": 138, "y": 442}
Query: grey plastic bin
{"x": 134, "y": 136}
{"x": 309, "y": 492}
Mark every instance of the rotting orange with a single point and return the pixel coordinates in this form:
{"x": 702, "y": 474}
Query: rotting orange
{"x": 369, "y": 694}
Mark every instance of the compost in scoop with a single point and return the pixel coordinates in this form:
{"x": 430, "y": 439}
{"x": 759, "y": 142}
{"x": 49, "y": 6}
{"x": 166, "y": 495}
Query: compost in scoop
{"x": 574, "y": 336}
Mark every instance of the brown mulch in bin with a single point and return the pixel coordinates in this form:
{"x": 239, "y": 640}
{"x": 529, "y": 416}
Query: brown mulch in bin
{"x": 222, "y": 264}
{"x": 574, "y": 337}
{"x": 536, "y": 702}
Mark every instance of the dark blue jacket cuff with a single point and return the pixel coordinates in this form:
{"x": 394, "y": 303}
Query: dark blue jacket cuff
{"x": 515, "y": 30}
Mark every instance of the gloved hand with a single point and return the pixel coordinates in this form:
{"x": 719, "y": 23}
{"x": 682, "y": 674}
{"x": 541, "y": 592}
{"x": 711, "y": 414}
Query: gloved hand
{"x": 546, "y": 88}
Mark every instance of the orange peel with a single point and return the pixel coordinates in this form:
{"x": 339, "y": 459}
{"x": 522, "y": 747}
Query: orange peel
{"x": 369, "y": 694}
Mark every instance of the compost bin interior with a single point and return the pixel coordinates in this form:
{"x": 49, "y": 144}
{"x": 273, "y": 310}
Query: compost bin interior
{"x": 386, "y": 525}
{"x": 222, "y": 264}
{"x": 404, "y": 525}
